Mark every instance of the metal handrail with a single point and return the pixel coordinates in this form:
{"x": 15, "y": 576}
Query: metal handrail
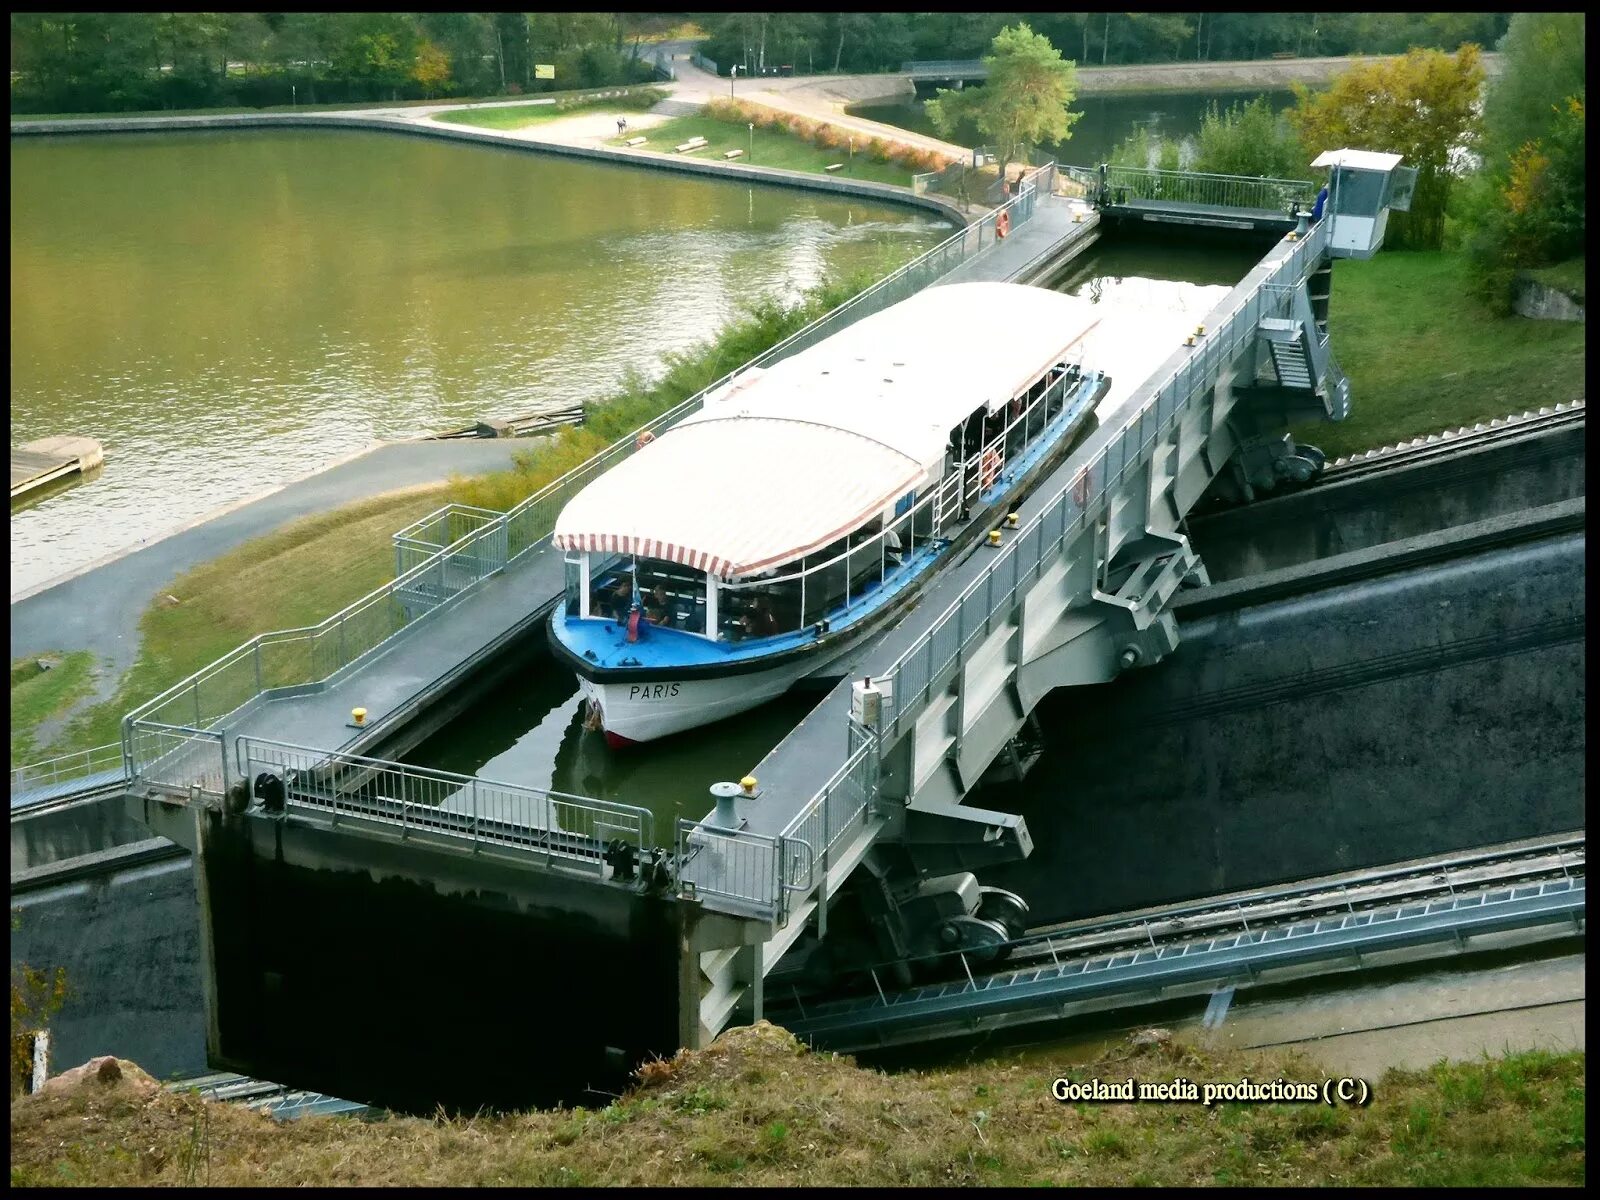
{"x": 418, "y": 796}
{"x": 77, "y": 764}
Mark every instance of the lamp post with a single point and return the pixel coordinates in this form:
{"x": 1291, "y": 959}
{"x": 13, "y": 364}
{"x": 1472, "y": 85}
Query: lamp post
{"x": 752, "y": 141}
{"x": 733, "y": 73}
{"x": 852, "y": 168}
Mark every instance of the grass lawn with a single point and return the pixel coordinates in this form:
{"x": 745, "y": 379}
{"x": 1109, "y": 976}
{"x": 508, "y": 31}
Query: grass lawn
{"x": 1425, "y": 356}
{"x": 756, "y": 1109}
{"x": 771, "y": 149}
{"x": 38, "y": 694}
{"x": 520, "y": 116}
{"x": 297, "y": 575}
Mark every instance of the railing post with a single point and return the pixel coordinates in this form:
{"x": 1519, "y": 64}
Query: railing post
{"x": 258, "y": 666}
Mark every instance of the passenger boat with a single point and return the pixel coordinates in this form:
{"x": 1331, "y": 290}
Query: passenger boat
{"x": 806, "y": 506}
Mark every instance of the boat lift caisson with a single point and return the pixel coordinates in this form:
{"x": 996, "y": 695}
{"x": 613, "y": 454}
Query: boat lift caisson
{"x": 805, "y": 505}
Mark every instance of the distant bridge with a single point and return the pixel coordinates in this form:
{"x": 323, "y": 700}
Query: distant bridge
{"x": 945, "y": 68}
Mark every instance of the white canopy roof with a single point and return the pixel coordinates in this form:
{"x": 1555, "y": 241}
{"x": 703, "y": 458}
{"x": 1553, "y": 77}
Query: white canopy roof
{"x": 784, "y": 461}
{"x": 1361, "y": 160}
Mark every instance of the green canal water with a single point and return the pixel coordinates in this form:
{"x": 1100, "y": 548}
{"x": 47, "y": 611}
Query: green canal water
{"x": 228, "y": 312}
{"x": 529, "y": 730}
{"x": 1106, "y": 119}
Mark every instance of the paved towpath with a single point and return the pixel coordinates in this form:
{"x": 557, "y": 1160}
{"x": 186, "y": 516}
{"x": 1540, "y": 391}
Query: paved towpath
{"x": 99, "y": 608}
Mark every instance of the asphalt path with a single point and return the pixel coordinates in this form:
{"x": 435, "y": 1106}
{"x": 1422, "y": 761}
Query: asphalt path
{"x": 99, "y": 608}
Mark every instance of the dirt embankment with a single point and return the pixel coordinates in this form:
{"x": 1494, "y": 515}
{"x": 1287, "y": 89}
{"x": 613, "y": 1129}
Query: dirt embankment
{"x": 756, "y": 1108}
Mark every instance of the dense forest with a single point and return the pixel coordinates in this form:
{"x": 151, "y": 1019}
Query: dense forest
{"x": 882, "y": 41}
{"x": 124, "y": 62}
{"x": 121, "y": 62}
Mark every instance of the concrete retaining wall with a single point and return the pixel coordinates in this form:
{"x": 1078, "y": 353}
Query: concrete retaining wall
{"x": 882, "y": 192}
{"x": 1530, "y": 298}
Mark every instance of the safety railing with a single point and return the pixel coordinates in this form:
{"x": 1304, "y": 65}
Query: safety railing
{"x": 841, "y": 807}
{"x": 739, "y": 870}
{"x": 443, "y": 527}
{"x": 1194, "y": 187}
{"x": 566, "y": 830}
{"x": 52, "y": 775}
{"x": 927, "y": 666}
{"x": 178, "y": 759}
{"x": 308, "y": 657}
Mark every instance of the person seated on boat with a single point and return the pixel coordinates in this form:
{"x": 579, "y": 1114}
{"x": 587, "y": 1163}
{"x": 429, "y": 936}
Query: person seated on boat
{"x": 658, "y": 607}
{"x": 891, "y": 548}
{"x": 759, "y": 621}
{"x": 622, "y": 598}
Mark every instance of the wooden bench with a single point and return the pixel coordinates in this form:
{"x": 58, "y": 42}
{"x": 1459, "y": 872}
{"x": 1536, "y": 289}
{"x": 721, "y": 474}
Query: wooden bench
{"x": 694, "y": 143}
{"x": 638, "y": 141}
{"x": 833, "y": 167}
{"x": 733, "y": 154}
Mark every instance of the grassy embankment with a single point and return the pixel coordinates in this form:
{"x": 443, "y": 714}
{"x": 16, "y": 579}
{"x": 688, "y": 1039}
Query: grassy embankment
{"x": 790, "y": 142}
{"x": 312, "y": 568}
{"x": 1425, "y": 356}
{"x": 39, "y": 693}
{"x": 520, "y": 116}
{"x": 757, "y": 1109}
{"x": 1565, "y": 277}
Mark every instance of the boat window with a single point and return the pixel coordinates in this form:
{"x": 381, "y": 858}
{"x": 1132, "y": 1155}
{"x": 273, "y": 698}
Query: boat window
{"x": 670, "y": 595}
{"x": 572, "y": 592}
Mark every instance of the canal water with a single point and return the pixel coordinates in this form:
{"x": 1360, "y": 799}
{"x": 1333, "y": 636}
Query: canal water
{"x": 229, "y": 311}
{"x": 529, "y": 730}
{"x": 1106, "y": 120}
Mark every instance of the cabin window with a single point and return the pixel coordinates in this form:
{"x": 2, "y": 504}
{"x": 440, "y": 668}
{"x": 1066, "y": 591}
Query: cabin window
{"x": 670, "y": 595}
{"x": 573, "y": 590}
{"x": 1357, "y": 193}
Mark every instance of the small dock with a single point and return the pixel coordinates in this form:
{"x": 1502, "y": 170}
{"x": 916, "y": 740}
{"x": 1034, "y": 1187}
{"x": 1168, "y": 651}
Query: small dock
{"x": 49, "y": 459}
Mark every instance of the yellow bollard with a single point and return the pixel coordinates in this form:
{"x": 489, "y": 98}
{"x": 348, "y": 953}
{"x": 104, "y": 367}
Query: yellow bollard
{"x": 1200, "y": 330}
{"x": 358, "y": 715}
{"x": 748, "y": 783}
{"x": 1189, "y": 341}
{"x": 994, "y": 537}
{"x": 1011, "y": 520}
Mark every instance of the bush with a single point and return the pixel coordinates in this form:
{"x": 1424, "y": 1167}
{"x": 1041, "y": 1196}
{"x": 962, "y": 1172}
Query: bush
{"x": 879, "y": 150}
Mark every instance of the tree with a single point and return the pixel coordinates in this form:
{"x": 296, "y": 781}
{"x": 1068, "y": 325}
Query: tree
{"x": 1422, "y": 107}
{"x": 431, "y": 69}
{"x": 1248, "y": 139}
{"x": 1024, "y": 101}
{"x": 1542, "y": 65}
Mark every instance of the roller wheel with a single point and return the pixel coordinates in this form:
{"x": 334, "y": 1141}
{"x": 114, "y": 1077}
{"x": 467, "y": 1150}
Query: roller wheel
{"x": 1008, "y": 908}
{"x": 981, "y": 941}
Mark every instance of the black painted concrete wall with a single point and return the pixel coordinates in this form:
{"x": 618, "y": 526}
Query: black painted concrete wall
{"x": 1367, "y": 724}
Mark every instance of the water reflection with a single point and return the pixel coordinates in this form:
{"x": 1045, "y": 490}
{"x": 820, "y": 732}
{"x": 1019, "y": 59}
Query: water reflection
{"x": 226, "y": 312}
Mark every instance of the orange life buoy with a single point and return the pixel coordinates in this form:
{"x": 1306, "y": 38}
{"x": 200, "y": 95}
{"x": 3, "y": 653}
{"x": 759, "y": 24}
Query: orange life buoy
{"x": 989, "y": 468}
{"x": 1002, "y": 224}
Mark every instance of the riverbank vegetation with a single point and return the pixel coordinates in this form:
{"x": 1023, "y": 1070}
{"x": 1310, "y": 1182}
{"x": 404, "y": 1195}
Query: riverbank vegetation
{"x": 1425, "y": 354}
{"x": 1525, "y": 209}
{"x": 521, "y": 116}
{"x": 764, "y": 324}
{"x": 756, "y": 1108}
{"x": 126, "y": 62}
{"x": 790, "y": 142}
{"x": 765, "y": 43}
